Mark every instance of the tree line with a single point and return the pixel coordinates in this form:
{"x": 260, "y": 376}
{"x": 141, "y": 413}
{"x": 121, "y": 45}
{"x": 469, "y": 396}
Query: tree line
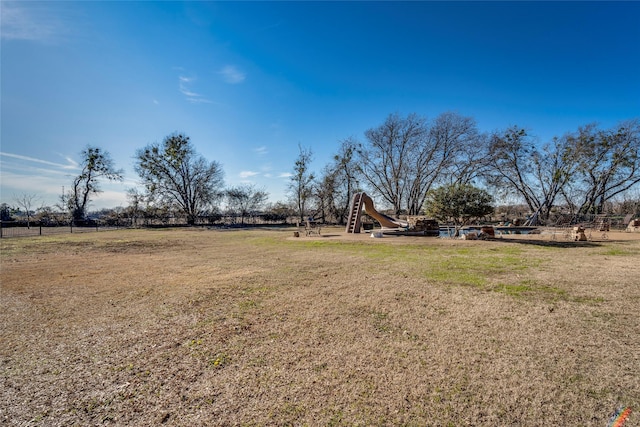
{"x": 404, "y": 159}
{"x": 406, "y": 163}
{"x": 176, "y": 181}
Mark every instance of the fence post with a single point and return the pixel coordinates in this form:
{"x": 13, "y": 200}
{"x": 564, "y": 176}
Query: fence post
{"x": 71, "y": 227}
{"x": 41, "y": 229}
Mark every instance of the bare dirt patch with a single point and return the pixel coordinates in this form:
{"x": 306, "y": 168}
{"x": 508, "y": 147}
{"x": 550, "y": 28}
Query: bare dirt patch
{"x": 204, "y": 327}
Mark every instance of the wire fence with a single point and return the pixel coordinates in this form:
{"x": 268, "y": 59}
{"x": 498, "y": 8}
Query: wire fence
{"x": 41, "y": 230}
{"x": 20, "y": 229}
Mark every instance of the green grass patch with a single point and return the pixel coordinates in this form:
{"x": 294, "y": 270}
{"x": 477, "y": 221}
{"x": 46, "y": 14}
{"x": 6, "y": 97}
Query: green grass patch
{"x": 621, "y": 252}
{"x": 456, "y": 277}
{"x": 475, "y": 267}
{"x": 513, "y": 289}
{"x": 529, "y": 287}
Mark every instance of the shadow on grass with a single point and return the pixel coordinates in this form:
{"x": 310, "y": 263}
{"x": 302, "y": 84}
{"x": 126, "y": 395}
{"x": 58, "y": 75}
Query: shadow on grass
{"x": 550, "y": 243}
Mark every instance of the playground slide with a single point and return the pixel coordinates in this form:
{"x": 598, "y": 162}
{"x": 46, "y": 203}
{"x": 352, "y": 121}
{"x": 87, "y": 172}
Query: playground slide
{"x": 385, "y": 221}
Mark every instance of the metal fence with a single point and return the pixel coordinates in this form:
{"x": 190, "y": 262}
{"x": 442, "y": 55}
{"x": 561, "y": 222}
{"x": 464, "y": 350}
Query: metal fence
{"x": 41, "y": 230}
{"x": 19, "y": 229}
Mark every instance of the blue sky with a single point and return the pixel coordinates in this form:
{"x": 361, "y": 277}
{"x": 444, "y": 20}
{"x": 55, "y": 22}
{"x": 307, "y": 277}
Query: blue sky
{"x": 250, "y": 82}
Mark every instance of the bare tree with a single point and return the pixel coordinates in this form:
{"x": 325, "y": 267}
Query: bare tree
{"x": 301, "y": 185}
{"x": 389, "y": 158}
{"x": 470, "y": 160}
{"x": 405, "y": 157}
{"x": 453, "y": 152}
{"x": 175, "y": 175}
{"x": 511, "y": 167}
{"x": 245, "y": 200}
{"x": 26, "y": 202}
{"x": 609, "y": 162}
{"x": 96, "y": 164}
{"x": 553, "y": 168}
{"x": 135, "y": 208}
{"x": 278, "y": 212}
{"x": 338, "y": 183}
{"x": 324, "y": 194}
{"x": 538, "y": 176}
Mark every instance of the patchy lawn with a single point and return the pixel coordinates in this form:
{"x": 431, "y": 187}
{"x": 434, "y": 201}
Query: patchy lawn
{"x": 204, "y": 327}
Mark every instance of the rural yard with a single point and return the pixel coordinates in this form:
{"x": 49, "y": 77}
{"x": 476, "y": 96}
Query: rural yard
{"x": 199, "y": 327}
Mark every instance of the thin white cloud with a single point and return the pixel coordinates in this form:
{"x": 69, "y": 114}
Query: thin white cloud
{"x": 40, "y": 184}
{"x": 29, "y": 170}
{"x": 285, "y": 175}
{"x": 35, "y": 22}
{"x": 24, "y": 174}
{"x": 232, "y": 75}
{"x": 261, "y": 151}
{"x": 49, "y": 189}
{"x": 69, "y": 165}
{"x": 184, "y": 84}
{"x": 248, "y": 174}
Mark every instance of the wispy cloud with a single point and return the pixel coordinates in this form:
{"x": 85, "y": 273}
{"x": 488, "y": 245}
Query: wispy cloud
{"x": 35, "y": 22}
{"x": 248, "y": 174}
{"x": 261, "y": 151}
{"x": 25, "y": 174}
{"x": 49, "y": 188}
{"x": 71, "y": 164}
{"x": 184, "y": 84}
{"x": 232, "y": 75}
{"x": 40, "y": 184}
{"x": 285, "y": 175}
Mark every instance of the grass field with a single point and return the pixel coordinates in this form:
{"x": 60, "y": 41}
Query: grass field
{"x": 256, "y": 327}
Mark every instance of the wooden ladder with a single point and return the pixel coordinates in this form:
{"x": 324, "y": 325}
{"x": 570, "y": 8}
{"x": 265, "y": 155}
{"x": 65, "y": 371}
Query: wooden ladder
{"x": 353, "y": 222}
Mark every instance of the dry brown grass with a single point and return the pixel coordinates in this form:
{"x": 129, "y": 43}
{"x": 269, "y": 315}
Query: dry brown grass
{"x": 203, "y": 327}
